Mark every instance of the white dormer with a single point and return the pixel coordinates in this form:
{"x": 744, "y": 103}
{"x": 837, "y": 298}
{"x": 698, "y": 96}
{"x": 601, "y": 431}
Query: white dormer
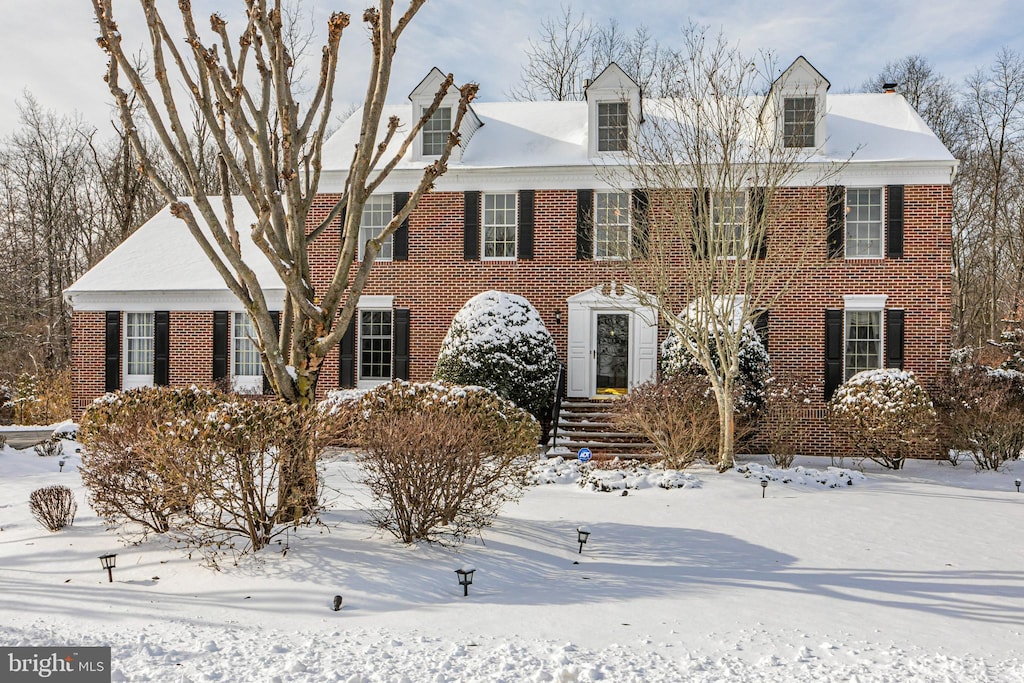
{"x": 613, "y": 112}
{"x": 432, "y": 137}
{"x": 796, "y": 106}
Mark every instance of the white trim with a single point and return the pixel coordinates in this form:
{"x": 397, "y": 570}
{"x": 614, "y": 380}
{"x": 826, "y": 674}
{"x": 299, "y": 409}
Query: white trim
{"x": 883, "y": 233}
{"x": 135, "y": 381}
{"x": 376, "y": 301}
{"x": 144, "y": 302}
{"x": 864, "y": 302}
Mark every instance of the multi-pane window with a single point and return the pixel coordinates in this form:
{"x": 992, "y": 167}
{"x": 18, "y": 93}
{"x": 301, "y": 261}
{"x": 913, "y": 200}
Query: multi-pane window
{"x": 374, "y": 345}
{"x": 138, "y": 344}
{"x": 376, "y": 216}
{"x": 499, "y": 228}
{"x": 435, "y": 132}
{"x": 863, "y": 222}
{"x": 612, "y": 126}
{"x": 798, "y": 122}
{"x": 245, "y": 353}
{"x": 863, "y": 341}
{"x": 611, "y": 225}
{"x": 729, "y": 223}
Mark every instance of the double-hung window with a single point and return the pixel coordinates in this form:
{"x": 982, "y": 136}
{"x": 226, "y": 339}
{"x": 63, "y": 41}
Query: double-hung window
{"x": 612, "y": 126}
{"x": 246, "y": 368}
{"x": 798, "y": 119}
{"x": 729, "y": 224}
{"x": 499, "y": 226}
{"x": 864, "y": 222}
{"x": 138, "y": 350}
{"x": 375, "y": 348}
{"x": 611, "y": 225}
{"x": 435, "y": 132}
{"x": 377, "y": 213}
{"x": 863, "y": 341}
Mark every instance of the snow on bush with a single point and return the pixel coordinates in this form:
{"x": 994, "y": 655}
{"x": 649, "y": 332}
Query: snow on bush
{"x": 613, "y": 476}
{"x": 497, "y": 340}
{"x": 884, "y": 416}
{"x": 754, "y": 366}
{"x": 983, "y": 414}
{"x": 442, "y": 459}
{"x": 831, "y": 478}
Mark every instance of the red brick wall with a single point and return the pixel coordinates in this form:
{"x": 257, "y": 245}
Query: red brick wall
{"x": 88, "y": 349}
{"x": 435, "y": 282}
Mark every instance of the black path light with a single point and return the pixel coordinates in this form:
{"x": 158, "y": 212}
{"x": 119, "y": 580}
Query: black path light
{"x": 109, "y": 562}
{"x": 465, "y": 579}
{"x": 764, "y": 486}
{"x": 1016, "y": 483}
{"x": 582, "y": 534}
{"x": 337, "y": 603}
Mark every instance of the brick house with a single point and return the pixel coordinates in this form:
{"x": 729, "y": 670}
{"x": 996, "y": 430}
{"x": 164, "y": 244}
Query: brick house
{"x": 524, "y": 209}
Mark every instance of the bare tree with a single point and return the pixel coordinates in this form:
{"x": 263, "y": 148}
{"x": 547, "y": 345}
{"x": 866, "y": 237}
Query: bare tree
{"x": 708, "y": 272}
{"x": 269, "y": 145}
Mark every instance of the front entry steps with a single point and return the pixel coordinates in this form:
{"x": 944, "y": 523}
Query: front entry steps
{"x": 588, "y": 423}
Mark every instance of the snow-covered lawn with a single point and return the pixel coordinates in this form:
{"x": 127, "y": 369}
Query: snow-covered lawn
{"x": 916, "y": 575}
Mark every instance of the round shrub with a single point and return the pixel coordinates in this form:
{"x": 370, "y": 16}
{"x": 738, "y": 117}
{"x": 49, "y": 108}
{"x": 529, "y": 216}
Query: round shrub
{"x": 53, "y": 506}
{"x": 754, "y": 366}
{"x": 498, "y": 341}
{"x": 442, "y": 459}
{"x": 983, "y": 414}
{"x": 884, "y": 416}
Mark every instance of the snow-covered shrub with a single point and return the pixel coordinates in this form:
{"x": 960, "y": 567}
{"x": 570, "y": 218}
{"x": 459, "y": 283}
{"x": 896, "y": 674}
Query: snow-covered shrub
{"x": 678, "y": 415}
{"x": 498, "y": 341}
{"x": 53, "y": 506}
{"x": 884, "y": 416}
{"x": 339, "y": 412}
{"x": 983, "y": 414}
{"x": 50, "y": 448}
{"x": 442, "y": 459}
{"x": 40, "y": 398}
{"x": 131, "y": 464}
{"x": 754, "y": 366}
{"x": 781, "y": 420}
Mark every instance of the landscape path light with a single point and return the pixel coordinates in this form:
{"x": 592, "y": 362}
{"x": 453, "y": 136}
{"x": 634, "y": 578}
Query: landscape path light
{"x": 465, "y": 579}
{"x": 582, "y": 534}
{"x": 764, "y": 486}
{"x": 337, "y": 603}
{"x": 109, "y": 562}
{"x": 1017, "y": 484}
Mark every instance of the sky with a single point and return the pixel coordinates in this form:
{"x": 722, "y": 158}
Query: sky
{"x": 49, "y": 48}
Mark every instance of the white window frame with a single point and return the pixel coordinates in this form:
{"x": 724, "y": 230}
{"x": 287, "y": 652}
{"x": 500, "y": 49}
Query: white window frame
{"x": 851, "y": 220}
{"x": 627, "y": 224}
{"x": 864, "y": 303}
{"x": 367, "y": 382}
{"x": 489, "y": 224}
{"x": 787, "y": 123}
{"x": 243, "y": 341}
{"x": 434, "y": 126}
{"x": 377, "y": 214}
{"x": 606, "y": 142}
{"x": 135, "y": 343}
{"x": 718, "y": 223}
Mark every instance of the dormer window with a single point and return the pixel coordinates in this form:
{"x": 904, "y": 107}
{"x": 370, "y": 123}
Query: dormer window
{"x": 612, "y": 126}
{"x": 435, "y": 132}
{"x": 798, "y": 122}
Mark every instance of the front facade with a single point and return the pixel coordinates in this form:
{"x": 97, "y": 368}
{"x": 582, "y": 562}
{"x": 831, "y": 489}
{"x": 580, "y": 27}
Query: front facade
{"x": 525, "y": 209}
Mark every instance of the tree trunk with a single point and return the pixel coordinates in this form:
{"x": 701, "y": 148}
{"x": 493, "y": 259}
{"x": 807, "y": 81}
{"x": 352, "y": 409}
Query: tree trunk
{"x": 726, "y": 427}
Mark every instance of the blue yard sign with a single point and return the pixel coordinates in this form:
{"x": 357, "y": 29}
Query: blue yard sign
{"x": 584, "y": 455}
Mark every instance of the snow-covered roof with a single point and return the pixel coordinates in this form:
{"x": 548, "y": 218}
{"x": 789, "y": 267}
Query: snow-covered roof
{"x": 162, "y": 257}
{"x": 879, "y": 127}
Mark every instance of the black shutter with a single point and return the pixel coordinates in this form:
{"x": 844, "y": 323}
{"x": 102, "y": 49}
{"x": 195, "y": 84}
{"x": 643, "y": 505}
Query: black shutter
{"x": 112, "y": 351}
{"x": 700, "y": 203}
{"x": 220, "y": 345}
{"x": 761, "y": 327}
{"x": 894, "y": 338}
{"x": 400, "y": 240}
{"x": 347, "y": 356}
{"x": 584, "y": 225}
{"x": 471, "y": 226}
{"x": 641, "y": 226}
{"x": 835, "y": 212}
{"x": 401, "y": 336}
{"x": 525, "y": 236}
{"x": 162, "y": 348}
{"x": 833, "y": 351}
{"x": 894, "y": 221}
{"x": 275, "y": 316}
{"x": 758, "y": 223}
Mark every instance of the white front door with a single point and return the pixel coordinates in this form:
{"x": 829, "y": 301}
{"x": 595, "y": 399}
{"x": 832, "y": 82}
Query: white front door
{"x": 612, "y": 343}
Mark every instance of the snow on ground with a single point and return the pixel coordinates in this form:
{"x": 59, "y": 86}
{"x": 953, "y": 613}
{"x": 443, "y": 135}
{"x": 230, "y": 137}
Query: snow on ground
{"x": 909, "y": 576}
